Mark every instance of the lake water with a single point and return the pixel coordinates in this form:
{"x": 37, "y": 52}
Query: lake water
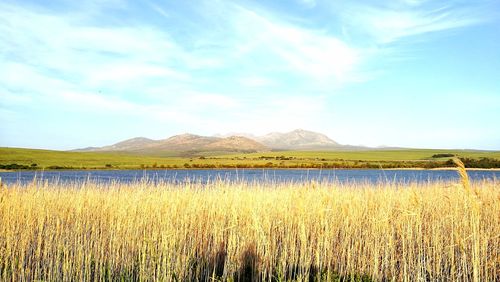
{"x": 250, "y": 175}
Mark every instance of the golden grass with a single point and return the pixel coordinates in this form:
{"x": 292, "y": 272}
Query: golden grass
{"x": 240, "y": 231}
{"x": 462, "y": 172}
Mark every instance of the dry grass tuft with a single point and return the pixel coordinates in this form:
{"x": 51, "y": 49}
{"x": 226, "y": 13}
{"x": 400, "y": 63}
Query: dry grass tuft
{"x": 462, "y": 172}
{"x": 241, "y": 231}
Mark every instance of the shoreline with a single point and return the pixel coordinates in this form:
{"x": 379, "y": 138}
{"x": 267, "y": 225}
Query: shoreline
{"x": 444, "y": 168}
{"x": 249, "y": 168}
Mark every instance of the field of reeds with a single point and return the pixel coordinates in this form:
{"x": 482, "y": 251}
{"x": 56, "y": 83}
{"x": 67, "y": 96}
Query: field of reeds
{"x": 247, "y": 232}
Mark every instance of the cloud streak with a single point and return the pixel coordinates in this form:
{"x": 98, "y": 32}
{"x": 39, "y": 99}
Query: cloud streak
{"x": 389, "y": 22}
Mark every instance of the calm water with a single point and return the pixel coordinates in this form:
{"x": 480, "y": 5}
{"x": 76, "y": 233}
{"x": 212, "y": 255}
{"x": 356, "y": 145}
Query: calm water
{"x": 274, "y": 175}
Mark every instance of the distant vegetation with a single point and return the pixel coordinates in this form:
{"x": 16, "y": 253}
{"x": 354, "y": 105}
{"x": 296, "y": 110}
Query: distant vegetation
{"x": 443, "y": 155}
{"x": 16, "y": 166}
{"x": 478, "y": 163}
{"x": 250, "y": 232}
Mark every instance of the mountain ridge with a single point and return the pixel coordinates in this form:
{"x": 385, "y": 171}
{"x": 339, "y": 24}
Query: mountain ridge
{"x": 182, "y": 143}
{"x": 298, "y": 139}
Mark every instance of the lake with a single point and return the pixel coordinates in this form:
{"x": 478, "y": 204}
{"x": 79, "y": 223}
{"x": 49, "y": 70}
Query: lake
{"x": 249, "y": 175}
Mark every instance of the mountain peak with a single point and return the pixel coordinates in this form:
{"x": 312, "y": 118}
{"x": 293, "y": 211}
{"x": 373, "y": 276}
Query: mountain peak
{"x": 298, "y": 139}
{"x": 304, "y": 132}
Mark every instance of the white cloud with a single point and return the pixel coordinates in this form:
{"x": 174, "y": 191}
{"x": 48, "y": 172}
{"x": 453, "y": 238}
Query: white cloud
{"x": 68, "y": 46}
{"x": 307, "y": 53}
{"x": 278, "y": 113}
{"x": 159, "y": 10}
{"x": 414, "y": 2}
{"x": 207, "y": 100}
{"x": 7, "y": 98}
{"x": 125, "y": 73}
{"x": 386, "y": 24}
{"x": 255, "y": 81}
{"x": 27, "y": 79}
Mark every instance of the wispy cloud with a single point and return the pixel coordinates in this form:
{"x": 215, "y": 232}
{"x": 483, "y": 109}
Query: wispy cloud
{"x": 68, "y": 53}
{"x": 61, "y": 46}
{"x": 207, "y": 66}
{"x": 255, "y": 81}
{"x": 392, "y": 21}
{"x": 307, "y": 52}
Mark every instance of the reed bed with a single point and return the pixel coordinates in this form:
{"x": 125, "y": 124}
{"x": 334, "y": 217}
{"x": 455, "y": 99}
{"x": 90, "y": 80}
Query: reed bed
{"x": 250, "y": 231}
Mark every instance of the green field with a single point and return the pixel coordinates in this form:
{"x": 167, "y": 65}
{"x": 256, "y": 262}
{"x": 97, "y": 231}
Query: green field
{"x": 48, "y": 159}
{"x": 375, "y": 155}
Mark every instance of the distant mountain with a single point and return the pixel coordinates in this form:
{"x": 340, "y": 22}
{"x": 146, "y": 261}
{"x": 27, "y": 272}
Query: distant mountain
{"x": 247, "y": 135}
{"x": 298, "y": 139}
{"x": 239, "y": 143}
{"x": 134, "y": 144}
{"x": 86, "y": 149}
{"x": 183, "y": 143}
{"x": 186, "y": 142}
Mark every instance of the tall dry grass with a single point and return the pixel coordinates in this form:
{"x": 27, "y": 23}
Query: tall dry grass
{"x": 239, "y": 231}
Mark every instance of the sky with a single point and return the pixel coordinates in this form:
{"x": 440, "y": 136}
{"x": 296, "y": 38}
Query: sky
{"x": 409, "y": 73}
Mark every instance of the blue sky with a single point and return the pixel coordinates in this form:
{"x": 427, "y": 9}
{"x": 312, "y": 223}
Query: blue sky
{"x": 397, "y": 73}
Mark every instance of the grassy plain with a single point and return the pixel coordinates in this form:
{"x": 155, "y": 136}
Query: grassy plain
{"x": 46, "y": 158}
{"x": 375, "y": 155}
{"x": 90, "y": 160}
{"x": 240, "y": 231}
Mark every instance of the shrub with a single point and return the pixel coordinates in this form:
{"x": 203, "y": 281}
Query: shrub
{"x": 443, "y": 156}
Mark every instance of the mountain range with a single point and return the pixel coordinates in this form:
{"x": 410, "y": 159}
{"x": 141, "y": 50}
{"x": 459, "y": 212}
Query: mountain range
{"x": 298, "y": 139}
